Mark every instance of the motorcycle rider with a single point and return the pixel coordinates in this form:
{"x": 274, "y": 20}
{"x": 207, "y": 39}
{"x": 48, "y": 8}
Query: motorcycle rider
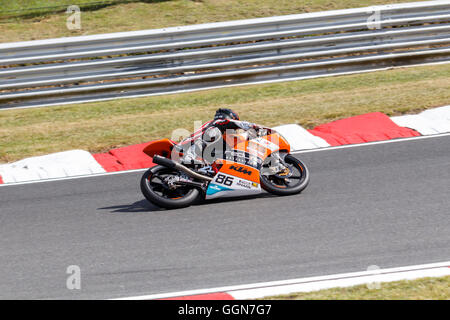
{"x": 225, "y": 120}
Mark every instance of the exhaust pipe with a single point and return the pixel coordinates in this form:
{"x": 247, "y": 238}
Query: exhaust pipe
{"x": 175, "y": 165}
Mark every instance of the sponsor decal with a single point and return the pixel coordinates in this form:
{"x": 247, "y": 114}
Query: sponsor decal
{"x": 266, "y": 143}
{"x": 241, "y": 170}
{"x": 256, "y": 149}
{"x": 243, "y": 158}
{"x": 215, "y": 188}
{"x": 246, "y": 184}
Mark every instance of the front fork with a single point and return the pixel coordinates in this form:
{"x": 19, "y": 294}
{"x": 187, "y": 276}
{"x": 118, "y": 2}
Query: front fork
{"x": 276, "y": 164}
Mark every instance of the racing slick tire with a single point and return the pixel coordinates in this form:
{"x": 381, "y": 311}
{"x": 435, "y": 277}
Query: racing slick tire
{"x": 157, "y": 193}
{"x": 275, "y": 184}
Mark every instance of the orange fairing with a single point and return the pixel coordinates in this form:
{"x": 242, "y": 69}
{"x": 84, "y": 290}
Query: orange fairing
{"x": 262, "y": 147}
{"x": 161, "y": 147}
{"x": 240, "y": 170}
{"x": 282, "y": 143}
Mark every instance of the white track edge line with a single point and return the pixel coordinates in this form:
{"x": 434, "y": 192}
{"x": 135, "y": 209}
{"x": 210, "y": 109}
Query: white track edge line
{"x": 71, "y": 178}
{"x": 423, "y": 268}
{"x": 345, "y": 146}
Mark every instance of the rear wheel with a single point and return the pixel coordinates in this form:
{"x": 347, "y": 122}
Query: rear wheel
{"x": 156, "y": 189}
{"x": 293, "y": 180}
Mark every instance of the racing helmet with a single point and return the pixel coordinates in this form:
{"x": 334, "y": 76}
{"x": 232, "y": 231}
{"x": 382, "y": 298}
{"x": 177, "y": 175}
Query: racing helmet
{"x": 225, "y": 113}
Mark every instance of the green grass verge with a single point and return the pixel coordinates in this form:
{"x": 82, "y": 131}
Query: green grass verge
{"x": 420, "y": 289}
{"x": 100, "y": 126}
{"x": 25, "y": 9}
{"x": 29, "y": 5}
{"x": 152, "y": 14}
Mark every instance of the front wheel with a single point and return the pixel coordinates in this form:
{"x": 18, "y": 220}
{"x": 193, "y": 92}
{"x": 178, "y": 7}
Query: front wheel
{"x": 155, "y": 188}
{"x": 293, "y": 180}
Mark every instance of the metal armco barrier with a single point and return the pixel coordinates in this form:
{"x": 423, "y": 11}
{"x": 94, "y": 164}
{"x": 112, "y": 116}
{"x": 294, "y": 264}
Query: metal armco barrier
{"x": 181, "y": 59}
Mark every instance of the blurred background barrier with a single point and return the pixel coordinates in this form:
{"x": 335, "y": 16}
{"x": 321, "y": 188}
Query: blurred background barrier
{"x": 181, "y": 59}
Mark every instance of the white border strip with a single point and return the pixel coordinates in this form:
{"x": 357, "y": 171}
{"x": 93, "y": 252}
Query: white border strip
{"x": 345, "y": 146}
{"x": 264, "y": 289}
{"x": 293, "y": 152}
{"x": 72, "y": 177}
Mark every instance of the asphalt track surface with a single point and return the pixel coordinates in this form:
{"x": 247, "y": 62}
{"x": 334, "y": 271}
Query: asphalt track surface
{"x": 385, "y": 204}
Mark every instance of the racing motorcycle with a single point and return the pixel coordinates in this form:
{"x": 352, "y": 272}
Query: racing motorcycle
{"x": 249, "y": 166}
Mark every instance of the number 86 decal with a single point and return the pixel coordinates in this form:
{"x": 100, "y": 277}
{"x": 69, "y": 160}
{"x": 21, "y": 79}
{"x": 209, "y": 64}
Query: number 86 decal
{"x": 228, "y": 181}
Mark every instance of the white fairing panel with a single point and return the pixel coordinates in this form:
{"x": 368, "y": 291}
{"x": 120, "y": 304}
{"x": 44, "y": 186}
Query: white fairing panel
{"x": 225, "y": 185}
